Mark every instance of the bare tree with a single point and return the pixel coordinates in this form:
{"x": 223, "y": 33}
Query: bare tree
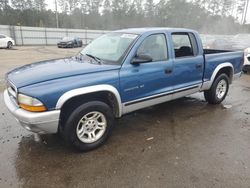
{"x": 39, "y": 5}
{"x": 226, "y": 7}
{"x": 22, "y": 4}
{"x": 4, "y": 4}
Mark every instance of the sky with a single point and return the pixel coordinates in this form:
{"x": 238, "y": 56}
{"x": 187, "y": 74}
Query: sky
{"x": 51, "y": 5}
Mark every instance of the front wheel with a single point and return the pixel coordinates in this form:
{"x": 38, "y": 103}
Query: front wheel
{"x": 218, "y": 91}
{"x": 9, "y": 45}
{"x": 89, "y": 126}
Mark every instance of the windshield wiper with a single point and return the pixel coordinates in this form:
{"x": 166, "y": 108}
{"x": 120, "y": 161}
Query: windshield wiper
{"x": 97, "y": 59}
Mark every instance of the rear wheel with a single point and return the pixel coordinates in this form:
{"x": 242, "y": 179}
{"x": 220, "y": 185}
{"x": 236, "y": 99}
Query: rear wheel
{"x": 89, "y": 126}
{"x": 218, "y": 91}
{"x": 9, "y": 44}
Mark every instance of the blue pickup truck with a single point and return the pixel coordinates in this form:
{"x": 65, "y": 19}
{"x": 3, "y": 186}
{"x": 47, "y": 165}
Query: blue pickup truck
{"x": 79, "y": 97}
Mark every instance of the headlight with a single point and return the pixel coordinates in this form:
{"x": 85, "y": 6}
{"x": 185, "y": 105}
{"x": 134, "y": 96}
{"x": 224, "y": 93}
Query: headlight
{"x": 30, "y": 103}
{"x": 246, "y": 51}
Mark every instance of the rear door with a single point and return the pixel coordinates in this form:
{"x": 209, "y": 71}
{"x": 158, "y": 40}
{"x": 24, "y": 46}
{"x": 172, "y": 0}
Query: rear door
{"x": 188, "y": 64}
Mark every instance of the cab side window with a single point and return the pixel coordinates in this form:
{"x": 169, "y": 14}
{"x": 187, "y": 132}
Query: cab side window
{"x": 184, "y": 45}
{"x": 2, "y": 36}
{"x": 155, "y": 46}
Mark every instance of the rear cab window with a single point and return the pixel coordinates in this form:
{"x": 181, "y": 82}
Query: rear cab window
{"x": 185, "y": 45}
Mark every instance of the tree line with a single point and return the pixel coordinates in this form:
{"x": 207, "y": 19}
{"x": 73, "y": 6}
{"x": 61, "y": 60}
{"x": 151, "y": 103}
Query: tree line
{"x": 207, "y": 16}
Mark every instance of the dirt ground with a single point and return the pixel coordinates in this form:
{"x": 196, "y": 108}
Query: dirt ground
{"x": 182, "y": 143}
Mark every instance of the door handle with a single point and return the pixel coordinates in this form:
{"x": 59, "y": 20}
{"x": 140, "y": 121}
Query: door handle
{"x": 168, "y": 71}
{"x": 198, "y": 66}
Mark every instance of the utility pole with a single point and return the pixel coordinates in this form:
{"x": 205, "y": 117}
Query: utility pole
{"x": 57, "y": 23}
{"x": 245, "y": 12}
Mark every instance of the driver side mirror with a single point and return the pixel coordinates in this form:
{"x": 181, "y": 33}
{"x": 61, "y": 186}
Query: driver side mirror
{"x": 142, "y": 58}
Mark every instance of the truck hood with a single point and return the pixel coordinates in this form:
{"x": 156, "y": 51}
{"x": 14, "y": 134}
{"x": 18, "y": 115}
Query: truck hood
{"x": 54, "y": 69}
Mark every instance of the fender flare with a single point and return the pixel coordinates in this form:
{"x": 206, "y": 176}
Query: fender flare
{"x": 207, "y": 84}
{"x": 87, "y": 90}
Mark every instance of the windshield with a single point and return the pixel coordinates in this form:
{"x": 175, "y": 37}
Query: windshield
{"x": 110, "y": 47}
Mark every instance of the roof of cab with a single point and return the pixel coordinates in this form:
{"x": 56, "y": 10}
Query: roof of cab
{"x": 141, "y": 31}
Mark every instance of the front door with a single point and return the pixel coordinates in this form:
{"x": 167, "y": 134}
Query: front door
{"x": 148, "y": 83}
{"x": 3, "y": 42}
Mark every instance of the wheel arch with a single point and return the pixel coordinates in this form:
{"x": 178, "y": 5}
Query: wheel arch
{"x": 7, "y": 43}
{"x": 226, "y": 68}
{"x": 105, "y": 93}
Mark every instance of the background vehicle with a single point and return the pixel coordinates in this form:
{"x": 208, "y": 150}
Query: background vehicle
{"x": 69, "y": 42}
{"x": 246, "y": 67}
{"x": 6, "y": 42}
{"x": 118, "y": 73}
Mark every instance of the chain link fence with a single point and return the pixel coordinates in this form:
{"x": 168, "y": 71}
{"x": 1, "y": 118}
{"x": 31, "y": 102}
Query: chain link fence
{"x": 47, "y": 36}
{"x": 50, "y": 36}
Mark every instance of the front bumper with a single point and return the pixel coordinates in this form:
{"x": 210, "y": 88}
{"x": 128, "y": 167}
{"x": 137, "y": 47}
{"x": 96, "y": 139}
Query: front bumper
{"x": 13, "y": 42}
{"x": 38, "y": 122}
{"x": 247, "y": 60}
{"x": 64, "y": 45}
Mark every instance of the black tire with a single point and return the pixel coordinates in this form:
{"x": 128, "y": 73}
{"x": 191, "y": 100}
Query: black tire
{"x": 211, "y": 96}
{"x": 69, "y": 131}
{"x": 9, "y": 45}
{"x": 246, "y": 69}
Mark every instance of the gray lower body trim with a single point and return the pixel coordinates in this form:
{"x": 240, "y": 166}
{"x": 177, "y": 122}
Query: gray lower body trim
{"x": 41, "y": 122}
{"x": 207, "y": 84}
{"x": 159, "y": 98}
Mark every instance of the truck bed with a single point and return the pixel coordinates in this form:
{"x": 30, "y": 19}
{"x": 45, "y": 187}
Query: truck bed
{"x": 213, "y": 58}
{"x": 215, "y": 51}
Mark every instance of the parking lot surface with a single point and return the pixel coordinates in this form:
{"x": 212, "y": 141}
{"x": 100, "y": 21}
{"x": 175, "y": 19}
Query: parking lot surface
{"x": 21, "y": 55}
{"x": 182, "y": 143}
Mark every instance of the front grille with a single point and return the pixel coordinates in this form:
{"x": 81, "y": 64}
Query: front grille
{"x": 12, "y": 90}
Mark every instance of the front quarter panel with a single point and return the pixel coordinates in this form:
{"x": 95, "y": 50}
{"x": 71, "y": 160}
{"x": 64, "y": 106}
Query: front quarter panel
{"x": 50, "y": 91}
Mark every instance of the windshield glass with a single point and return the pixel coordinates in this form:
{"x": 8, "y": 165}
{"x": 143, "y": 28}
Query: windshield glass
{"x": 110, "y": 47}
